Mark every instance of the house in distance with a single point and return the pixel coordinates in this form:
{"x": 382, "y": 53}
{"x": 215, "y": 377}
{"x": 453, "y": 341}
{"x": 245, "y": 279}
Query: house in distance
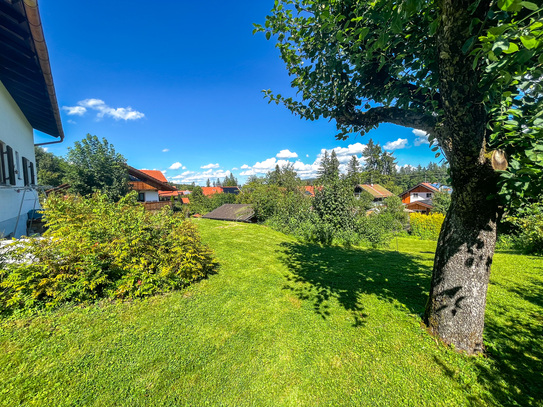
{"x": 419, "y": 198}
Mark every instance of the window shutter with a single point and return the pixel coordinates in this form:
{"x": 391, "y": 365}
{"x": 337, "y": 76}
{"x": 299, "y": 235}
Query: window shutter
{"x": 32, "y": 178}
{"x": 11, "y": 167}
{"x": 2, "y": 165}
{"x": 25, "y": 170}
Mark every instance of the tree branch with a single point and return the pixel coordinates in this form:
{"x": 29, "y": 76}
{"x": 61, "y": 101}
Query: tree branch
{"x": 377, "y": 115}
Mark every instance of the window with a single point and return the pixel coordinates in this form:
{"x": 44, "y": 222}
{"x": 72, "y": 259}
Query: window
{"x": 141, "y": 196}
{"x": 415, "y": 194}
{"x": 18, "y": 164}
{"x": 428, "y": 195}
{"x": 2, "y": 170}
{"x": 7, "y": 167}
{"x": 28, "y": 172}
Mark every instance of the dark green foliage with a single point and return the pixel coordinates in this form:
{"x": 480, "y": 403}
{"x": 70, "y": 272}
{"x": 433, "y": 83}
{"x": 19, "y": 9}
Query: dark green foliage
{"x": 284, "y": 177}
{"x": 528, "y": 224}
{"x": 229, "y": 181}
{"x": 201, "y": 204}
{"x": 441, "y": 202}
{"x": 96, "y": 167}
{"x": 51, "y": 169}
{"x": 96, "y": 249}
{"x": 264, "y": 199}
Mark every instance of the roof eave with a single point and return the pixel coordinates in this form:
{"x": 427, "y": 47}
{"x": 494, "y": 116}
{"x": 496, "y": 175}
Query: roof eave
{"x": 38, "y": 38}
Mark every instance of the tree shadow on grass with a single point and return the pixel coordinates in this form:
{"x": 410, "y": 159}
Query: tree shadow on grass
{"x": 513, "y": 374}
{"x": 319, "y": 274}
{"x": 514, "y": 341}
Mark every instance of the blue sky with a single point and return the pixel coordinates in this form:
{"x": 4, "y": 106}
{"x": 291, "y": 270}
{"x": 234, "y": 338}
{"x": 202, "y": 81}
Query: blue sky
{"x": 176, "y": 86}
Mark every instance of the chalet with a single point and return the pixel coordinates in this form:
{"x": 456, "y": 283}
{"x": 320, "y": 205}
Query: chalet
{"x": 27, "y": 101}
{"x": 149, "y": 184}
{"x": 419, "y": 198}
{"x": 378, "y": 192}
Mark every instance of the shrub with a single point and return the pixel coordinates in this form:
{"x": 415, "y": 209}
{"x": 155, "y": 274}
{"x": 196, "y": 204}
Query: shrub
{"x": 529, "y": 223}
{"x": 426, "y": 226}
{"x": 95, "y": 249}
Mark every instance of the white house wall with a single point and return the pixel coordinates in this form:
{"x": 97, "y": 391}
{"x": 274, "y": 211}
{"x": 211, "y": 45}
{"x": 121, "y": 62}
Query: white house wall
{"x": 421, "y": 196}
{"x": 16, "y": 132}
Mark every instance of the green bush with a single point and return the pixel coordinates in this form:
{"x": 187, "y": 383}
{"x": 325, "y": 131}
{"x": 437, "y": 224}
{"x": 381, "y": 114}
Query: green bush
{"x": 95, "y": 248}
{"x": 529, "y": 223}
{"x": 426, "y": 226}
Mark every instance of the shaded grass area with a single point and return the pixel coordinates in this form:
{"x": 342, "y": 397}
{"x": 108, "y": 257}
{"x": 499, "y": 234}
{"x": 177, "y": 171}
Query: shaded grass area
{"x": 282, "y": 324}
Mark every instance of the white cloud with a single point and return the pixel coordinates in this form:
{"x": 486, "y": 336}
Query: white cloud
{"x": 45, "y": 148}
{"x": 74, "y": 110}
{"x": 72, "y": 121}
{"x": 165, "y": 150}
{"x": 210, "y": 166}
{"x": 119, "y": 113}
{"x": 286, "y": 154}
{"x": 245, "y": 167}
{"x": 163, "y": 171}
{"x": 422, "y": 137}
{"x": 235, "y": 169}
{"x": 188, "y": 177}
{"x": 396, "y": 145}
{"x": 175, "y": 166}
{"x": 344, "y": 154}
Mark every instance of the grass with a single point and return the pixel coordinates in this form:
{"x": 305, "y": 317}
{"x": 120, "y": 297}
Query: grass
{"x": 282, "y": 324}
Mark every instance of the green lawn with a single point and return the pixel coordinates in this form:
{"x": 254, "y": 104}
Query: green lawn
{"x": 282, "y": 324}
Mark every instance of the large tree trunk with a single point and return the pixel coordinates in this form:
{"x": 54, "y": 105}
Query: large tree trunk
{"x": 456, "y": 306}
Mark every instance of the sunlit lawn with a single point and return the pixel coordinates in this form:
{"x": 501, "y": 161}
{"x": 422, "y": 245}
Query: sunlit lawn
{"x": 283, "y": 323}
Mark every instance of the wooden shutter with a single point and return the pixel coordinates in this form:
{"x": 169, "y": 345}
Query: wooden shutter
{"x": 32, "y": 178}
{"x": 11, "y": 167}
{"x": 25, "y": 171}
{"x": 2, "y": 165}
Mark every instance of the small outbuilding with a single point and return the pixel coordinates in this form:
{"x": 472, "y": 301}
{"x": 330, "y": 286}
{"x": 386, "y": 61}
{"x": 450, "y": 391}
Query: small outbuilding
{"x": 233, "y": 212}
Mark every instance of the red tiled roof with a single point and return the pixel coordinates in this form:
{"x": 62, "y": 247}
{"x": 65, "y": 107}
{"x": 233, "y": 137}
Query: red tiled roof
{"x": 185, "y": 200}
{"x": 169, "y": 193}
{"x": 158, "y": 175}
{"x": 211, "y": 190}
{"x": 429, "y": 186}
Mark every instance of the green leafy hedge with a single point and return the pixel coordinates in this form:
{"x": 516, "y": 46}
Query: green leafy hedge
{"x": 95, "y": 248}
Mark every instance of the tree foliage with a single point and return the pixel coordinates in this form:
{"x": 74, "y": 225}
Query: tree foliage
{"x": 51, "y": 168}
{"x": 367, "y": 62}
{"x": 95, "y": 166}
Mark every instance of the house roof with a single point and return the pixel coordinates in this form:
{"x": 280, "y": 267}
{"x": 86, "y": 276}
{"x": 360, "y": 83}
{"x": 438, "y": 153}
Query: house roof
{"x": 211, "y": 190}
{"x": 149, "y": 179}
{"x": 232, "y": 212}
{"x": 427, "y": 185}
{"x": 169, "y": 193}
{"x": 156, "y": 175}
{"x": 24, "y": 65}
{"x": 427, "y": 203}
{"x": 376, "y": 190}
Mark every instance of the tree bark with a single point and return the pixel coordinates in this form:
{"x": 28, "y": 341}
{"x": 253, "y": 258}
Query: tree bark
{"x": 456, "y": 306}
